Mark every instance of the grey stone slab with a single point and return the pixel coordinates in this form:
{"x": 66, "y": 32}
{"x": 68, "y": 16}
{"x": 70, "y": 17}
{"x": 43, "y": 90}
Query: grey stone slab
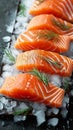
{"x": 8, "y": 11}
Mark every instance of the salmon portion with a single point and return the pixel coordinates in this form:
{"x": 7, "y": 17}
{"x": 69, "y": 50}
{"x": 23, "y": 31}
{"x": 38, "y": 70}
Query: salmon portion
{"x": 50, "y": 22}
{"x": 60, "y": 8}
{"x": 28, "y": 86}
{"x": 43, "y": 39}
{"x": 46, "y": 61}
{"x": 71, "y": 37}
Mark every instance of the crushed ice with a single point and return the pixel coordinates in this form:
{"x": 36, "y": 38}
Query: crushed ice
{"x": 9, "y": 105}
{"x": 6, "y": 39}
{"x": 53, "y": 121}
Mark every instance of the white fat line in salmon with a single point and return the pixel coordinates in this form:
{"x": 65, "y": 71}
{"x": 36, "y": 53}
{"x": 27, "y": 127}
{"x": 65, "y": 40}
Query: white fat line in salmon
{"x": 59, "y": 98}
{"x": 26, "y": 36}
{"x": 51, "y": 65}
{"x": 58, "y": 7}
{"x": 66, "y": 67}
{"x": 69, "y": 34}
{"x": 20, "y": 39}
{"x": 66, "y": 8}
{"x": 56, "y": 96}
{"x": 68, "y": 4}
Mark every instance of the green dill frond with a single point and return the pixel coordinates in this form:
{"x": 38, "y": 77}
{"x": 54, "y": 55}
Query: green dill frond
{"x": 61, "y": 25}
{"x": 23, "y": 111}
{"x": 49, "y": 35}
{"x": 9, "y": 55}
{"x": 42, "y": 76}
{"x": 22, "y": 10}
{"x": 50, "y": 61}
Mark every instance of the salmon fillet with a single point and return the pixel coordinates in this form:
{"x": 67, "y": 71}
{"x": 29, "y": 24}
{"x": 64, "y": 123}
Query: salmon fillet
{"x": 60, "y": 8}
{"x": 43, "y": 39}
{"x": 50, "y": 22}
{"x": 28, "y": 86}
{"x": 46, "y": 61}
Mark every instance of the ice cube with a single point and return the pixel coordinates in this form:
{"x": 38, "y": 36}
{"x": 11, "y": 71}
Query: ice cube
{"x": 64, "y": 112}
{"x": 1, "y": 106}
{"x": 56, "y": 80}
{"x": 21, "y": 106}
{"x": 55, "y": 111}
{"x": 18, "y": 118}
{"x": 53, "y": 121}
{"x": 66, "y": 99}
{"x": 1, "y": 81}
{"x": 38, "y": 106}
{"x": 6, "y": 74}
{"x": 40, "y": 115}
{"x": 7, "y": 67}
{"x": 13, "y": 104}
{"x": 4, "y": 100}
{"x": 6, "y": 38}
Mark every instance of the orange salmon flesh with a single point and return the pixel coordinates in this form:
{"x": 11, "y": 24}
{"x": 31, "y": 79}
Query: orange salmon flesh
{"x": 46, "y": 61}
{"x": 60, "y": 8}
{"x": 27, "y": 86}
{"x": 44, "y": 40}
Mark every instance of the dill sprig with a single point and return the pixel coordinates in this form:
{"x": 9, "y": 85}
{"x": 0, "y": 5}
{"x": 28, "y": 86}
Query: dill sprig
{"x": 23, "y": 111}
{"x": 50, "y": 61}
{"x": 42, "y": 76}
{"x": 61, "y": 25}
{"x": 22, "y": 9}
{"x": 49, "y": 35}
{"x": 66, "y": 83}
{"x": 10, "y": 55}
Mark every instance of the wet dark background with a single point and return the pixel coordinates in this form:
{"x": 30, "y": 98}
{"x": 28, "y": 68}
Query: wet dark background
{"x": 8, "y": 11}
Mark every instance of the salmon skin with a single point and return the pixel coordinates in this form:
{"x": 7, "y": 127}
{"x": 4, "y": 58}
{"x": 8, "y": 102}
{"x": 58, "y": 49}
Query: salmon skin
{"x": 45, "y": 61}
{"x": 44, "y": 40}
{"x": 60, "y": 8}
{"x": 29, "y": 87}
{"x": 50, "y": 22}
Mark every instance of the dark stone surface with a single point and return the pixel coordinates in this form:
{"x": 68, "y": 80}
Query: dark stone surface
{"x": 8, "y": 10}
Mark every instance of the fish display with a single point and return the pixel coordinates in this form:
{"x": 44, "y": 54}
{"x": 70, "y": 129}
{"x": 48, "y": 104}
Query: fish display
{"x": 55, "y": 7}
{"x": 50, "y": 22}
{"x": 44, "y": 40}
{"x": 30, "y": 87}
{"x": 46, "y": 61}
{"x": 46, "y": 35}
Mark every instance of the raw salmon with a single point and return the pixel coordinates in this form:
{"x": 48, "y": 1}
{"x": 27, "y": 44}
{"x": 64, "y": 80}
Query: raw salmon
{"x": 71, "y": 37}
{"x": 50, "y": 22}
{"x": 29, "y": 87}
{"x": 60, "y": 8}
{"x": 46, "y": 61}
{"x": 43, "y": 39}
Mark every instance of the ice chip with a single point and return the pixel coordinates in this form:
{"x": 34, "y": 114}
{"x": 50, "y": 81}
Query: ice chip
{"x": 1, "y": 105}
{"x": 53, "y": 121}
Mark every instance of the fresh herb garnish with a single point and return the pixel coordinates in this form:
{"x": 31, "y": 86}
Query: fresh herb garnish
{"x": 42, "y": 76}
{"x": 10, "y": 55}
{"x": 22, "y": 9}
{"x": 23, "y": 111}
{"x": 50, "y": 61}
{"x": 66, "y": 83}
{"x": 61, "y": 25}
{"x": 49, "y": 35}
